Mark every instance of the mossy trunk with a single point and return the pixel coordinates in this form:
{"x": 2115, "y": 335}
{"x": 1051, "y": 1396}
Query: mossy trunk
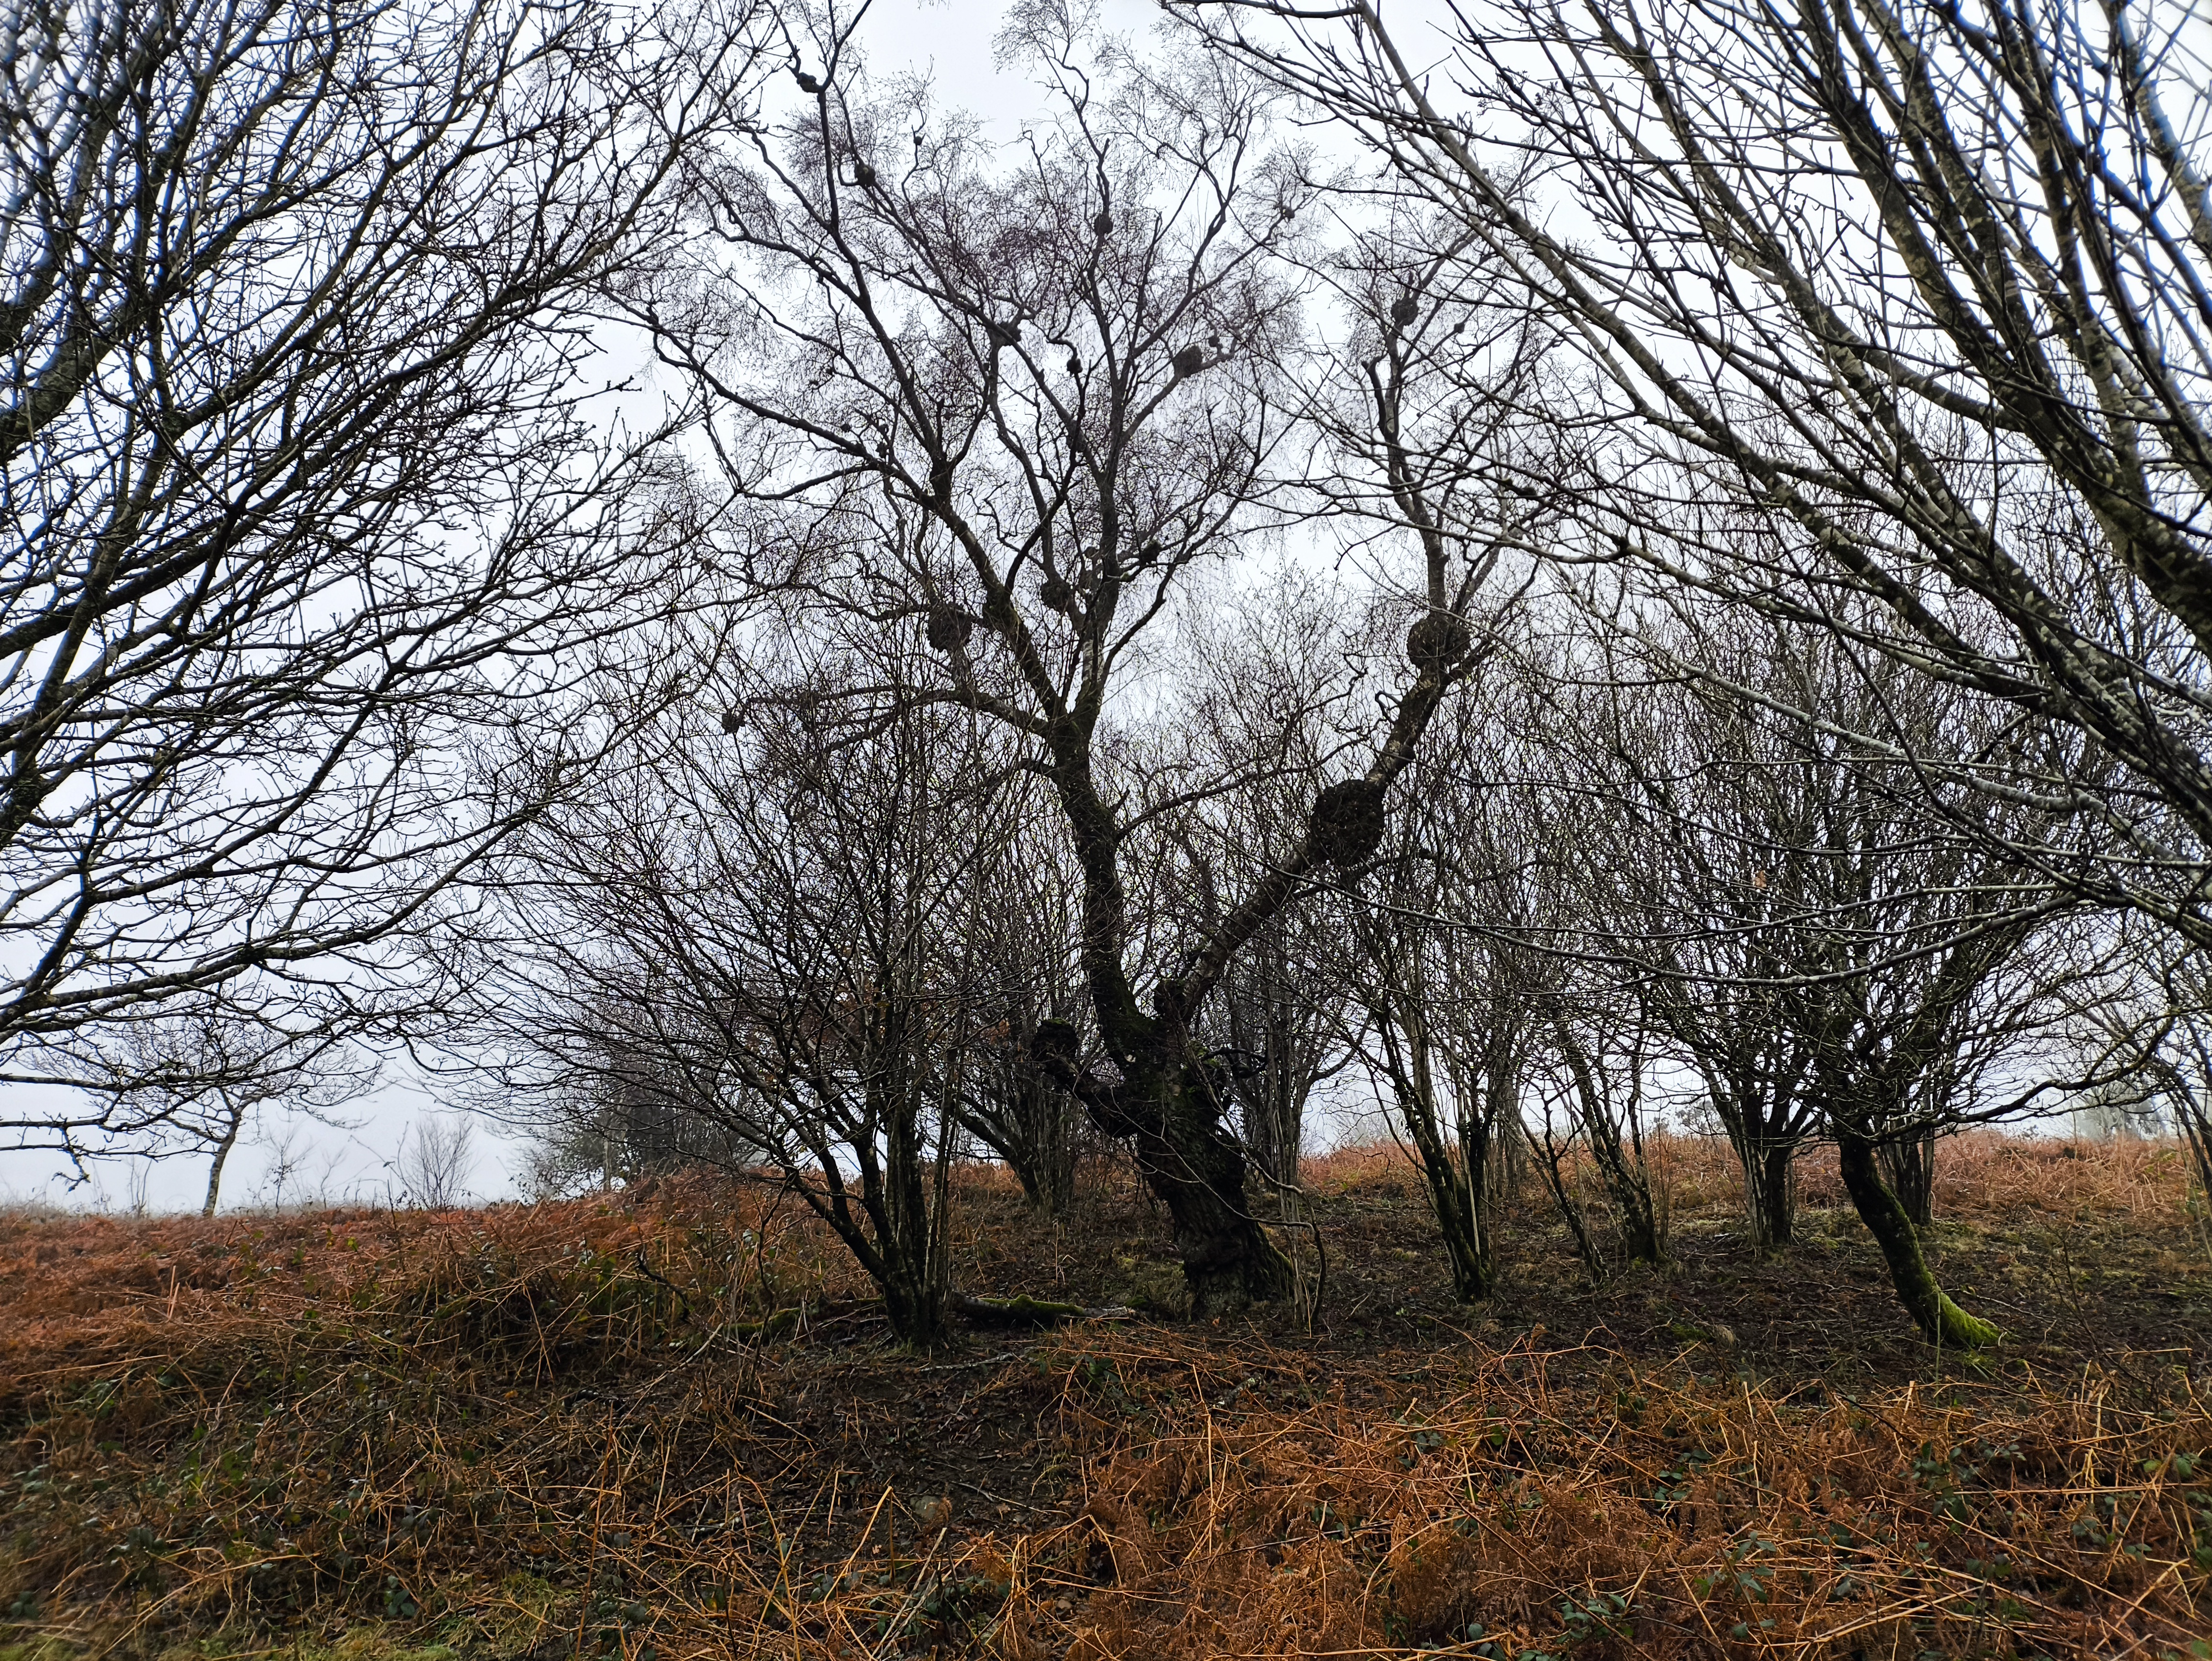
{"x": 1940, "y": 1320}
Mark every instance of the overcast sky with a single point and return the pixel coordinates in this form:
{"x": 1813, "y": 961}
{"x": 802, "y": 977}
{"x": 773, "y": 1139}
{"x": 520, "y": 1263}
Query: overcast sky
{"x": 950, "y": 43}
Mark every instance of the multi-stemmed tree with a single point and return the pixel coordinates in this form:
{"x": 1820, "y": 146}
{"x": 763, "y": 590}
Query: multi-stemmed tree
{"x": 1003, "y": 404}
{"x": 1891, "y": 320}
{"x": 769, "y": 923}
{"x": 1838, "y": 944}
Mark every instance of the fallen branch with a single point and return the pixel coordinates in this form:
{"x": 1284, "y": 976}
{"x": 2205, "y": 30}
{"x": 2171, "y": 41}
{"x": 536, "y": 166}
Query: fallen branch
{"x": 772, "y": 1326}
{"x": 1024, "y": 1311}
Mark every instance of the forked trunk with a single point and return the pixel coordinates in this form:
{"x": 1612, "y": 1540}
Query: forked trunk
{"x": 1909, "y": 1168}
{"x": 1770, "y": 1181}
{"x": 1940, "y": 1320}
{"x": 1165, "y": 1103}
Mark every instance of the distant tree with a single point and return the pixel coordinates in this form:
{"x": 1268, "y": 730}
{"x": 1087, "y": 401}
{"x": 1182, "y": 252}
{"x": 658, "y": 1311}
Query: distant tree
{"x": 434, "y": 1163}
{"x": 2162, "y": 1020}
{"x": 303, "y": 491}
{"x": 620, "y": 1121}
{"x": 181, "y": 1084}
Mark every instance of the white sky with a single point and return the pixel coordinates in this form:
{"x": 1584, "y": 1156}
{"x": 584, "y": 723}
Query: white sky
{"x": 949, "y": 41}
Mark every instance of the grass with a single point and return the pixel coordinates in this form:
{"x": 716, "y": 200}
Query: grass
{"x": 533, "y": 1433}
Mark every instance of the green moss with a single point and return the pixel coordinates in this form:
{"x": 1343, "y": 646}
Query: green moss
{"x": 45, "y": 1647}
{"x": 1940, "y": 1319}
{"x": 1960, "y": 1330}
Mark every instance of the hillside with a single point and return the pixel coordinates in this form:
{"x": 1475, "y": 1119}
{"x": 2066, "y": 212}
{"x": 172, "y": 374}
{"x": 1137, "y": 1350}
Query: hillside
{"x": 667, "y": 1424}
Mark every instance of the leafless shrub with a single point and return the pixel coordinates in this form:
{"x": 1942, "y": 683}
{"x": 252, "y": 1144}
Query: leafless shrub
{"x": 435, "y": 1161}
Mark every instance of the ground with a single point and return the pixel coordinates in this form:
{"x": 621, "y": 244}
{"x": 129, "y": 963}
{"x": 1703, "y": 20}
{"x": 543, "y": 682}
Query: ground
{"x": 533, "y": 1431}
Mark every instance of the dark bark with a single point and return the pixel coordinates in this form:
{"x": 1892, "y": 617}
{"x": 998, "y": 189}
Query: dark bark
{"x": 1162, "y": 1104}
{"x": 1171, "y": 1118}
{"x": 1908, "y": 1166}
{"x": 1551, "y": 1165}
{"x": 1508, "y": 1166}
{"x": 1168, "y": 1102}
{"x": 912, "y": 1240}
{"x": 1940, "y": 1320}
{"x": 1455, "y": 1168}
{"x": 1455, "y": 1194}
{"x": 1770, "y": 1181}
{"x": 1620, "y": 1162}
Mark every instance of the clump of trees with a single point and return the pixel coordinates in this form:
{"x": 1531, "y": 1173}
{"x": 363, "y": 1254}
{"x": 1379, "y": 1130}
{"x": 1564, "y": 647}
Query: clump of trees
{"x": 305, "y": 492}
{"x": 1108, "y": 635}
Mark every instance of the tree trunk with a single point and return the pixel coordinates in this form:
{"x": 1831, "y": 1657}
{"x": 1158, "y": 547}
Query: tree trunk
{"x": 1041, "y": 1152}
{"x": 1551, "y": 1166}
{"x": 1455, "y": 1186}
{"x": 1166, "y": 1102}
{"x": 1909, "y": 1168}
{"x": 1196, "y": 1168}
{"x": 916, "y": 1312}
{"x": 1770, "y": 1181}
{"x": 1620, "y": 1168}
{"x": 913, "y": 1241}
{"x": 1508, "y": 1163}
{"x": 215, "y": 1169}
{"x": 1274, "y": 1123}
{"x": 1457, "y": 1197}
{"x": 1940, "y": 1320}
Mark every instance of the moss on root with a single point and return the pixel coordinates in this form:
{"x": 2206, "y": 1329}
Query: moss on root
{"x": 1940, "y": 1319}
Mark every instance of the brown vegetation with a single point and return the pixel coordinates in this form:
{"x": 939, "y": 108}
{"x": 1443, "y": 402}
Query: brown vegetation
{"x": 666, "y": 1424}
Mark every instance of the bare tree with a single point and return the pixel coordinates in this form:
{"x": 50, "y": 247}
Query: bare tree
{"x": 1601, "y": 1054}
{"x": 1833, "y": 953}
{"x": 295, "y": 311}
{"x": 1014, "y": 404}
{"x": 1447, "y": 996}
{"x": 2161, "y": 1014}
{"x": 1893, "y": 322}
{"x": 1025, "y": 932}
{"x": 434, "y": 1168}
{"x": 618, "y": 1120}
{"x": 769, "y": 917}
{"x": 188, "y": 1082}
{"x": 1261, "y": 698}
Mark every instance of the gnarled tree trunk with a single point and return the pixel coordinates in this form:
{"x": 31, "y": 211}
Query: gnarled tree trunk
{"x": 1940, "y": 1320}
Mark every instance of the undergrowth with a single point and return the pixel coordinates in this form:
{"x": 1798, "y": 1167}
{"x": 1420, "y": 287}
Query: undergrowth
{"x": 666, "y": 1426}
